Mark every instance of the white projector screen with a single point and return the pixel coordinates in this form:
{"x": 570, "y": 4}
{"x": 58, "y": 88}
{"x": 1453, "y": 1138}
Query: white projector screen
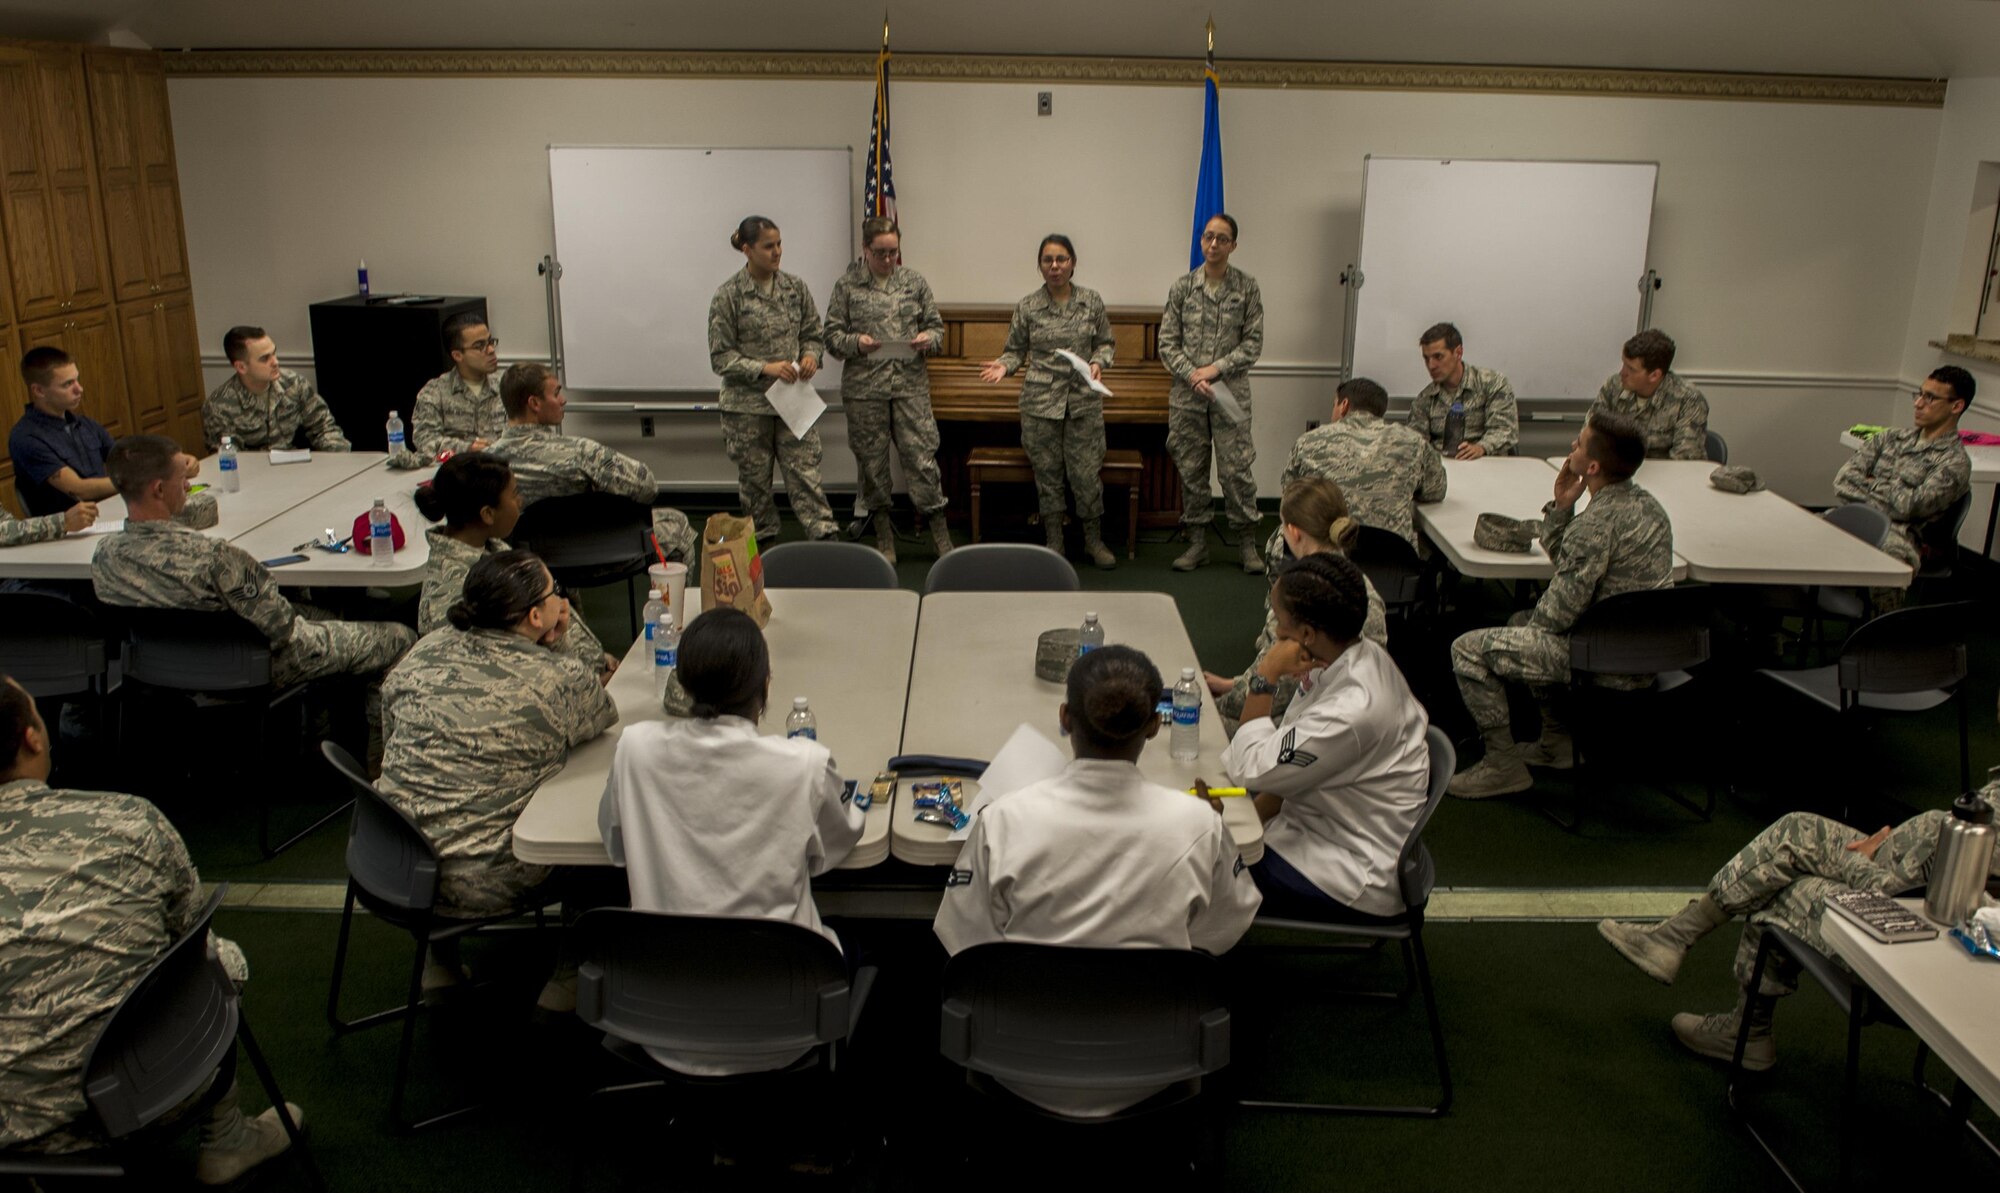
{"x": 642, "y": 235}
{"x": 1538, "y": 263}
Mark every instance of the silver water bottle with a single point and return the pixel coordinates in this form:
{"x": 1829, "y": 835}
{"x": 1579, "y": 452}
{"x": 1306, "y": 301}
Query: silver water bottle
{"x": 1960, "y": 865}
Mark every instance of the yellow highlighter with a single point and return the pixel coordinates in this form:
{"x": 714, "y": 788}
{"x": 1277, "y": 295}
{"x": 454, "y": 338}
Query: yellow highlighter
{"x": 1223, "y": 792}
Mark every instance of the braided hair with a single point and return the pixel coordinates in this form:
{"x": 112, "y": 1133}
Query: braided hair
{"x": 1325, "y": 592}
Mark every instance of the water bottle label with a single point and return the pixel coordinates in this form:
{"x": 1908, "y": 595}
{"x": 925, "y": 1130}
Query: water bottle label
{"x": 1191, "y": 715}
{"x": 665, "y": 658}
{"x": 380, "y": 530}
{"x": 395, "y": 441}
{"x": 228, "y": 463}
{"x": 1084, "y": 648}
{"x": 650, "y": 627}
{"x": 808, "y": 734}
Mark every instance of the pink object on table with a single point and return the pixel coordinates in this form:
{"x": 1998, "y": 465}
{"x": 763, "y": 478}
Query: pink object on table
{"x": 1979, "y": 438}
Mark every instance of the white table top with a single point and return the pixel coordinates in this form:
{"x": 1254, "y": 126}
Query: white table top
{"x": 1517, "y": 486}
{"x": 846, "y": 650}
{"x": 337, "y": 507}
{"x": 974, "y": 681}
{"x": 1758, "y": 538}
{"x": 1985, "y": 457}
{"x": 1945, "y": 994}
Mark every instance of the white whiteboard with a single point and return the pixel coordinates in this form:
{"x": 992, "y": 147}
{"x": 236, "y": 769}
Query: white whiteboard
{"x": 1538, "y": 263}
{"x": 642, "y": 235}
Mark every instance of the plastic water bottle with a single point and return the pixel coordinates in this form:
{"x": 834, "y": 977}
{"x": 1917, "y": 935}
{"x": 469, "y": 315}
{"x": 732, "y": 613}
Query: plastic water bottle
{"x": 802, "y": 723}
{"x": 666, "y": 652}
{"x": 1090, "y": 637}
{"x": 232, "y": 476}
{"x": 381, "y": 536}
{"x": 1184, "y": 745}
{"x": 1454, "y": 428}
{"x": 656, "y": 614}
{"x": 395, "y": 432}
{"x": 361, "y": 278}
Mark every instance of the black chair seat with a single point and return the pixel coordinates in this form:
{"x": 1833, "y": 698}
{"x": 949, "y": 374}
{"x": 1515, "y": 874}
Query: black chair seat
{"x": 1822, "y": 685}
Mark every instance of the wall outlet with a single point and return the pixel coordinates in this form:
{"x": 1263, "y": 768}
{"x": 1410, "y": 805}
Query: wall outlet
{"x": 646, "y": 427}
{"x": 1044, "y": 103}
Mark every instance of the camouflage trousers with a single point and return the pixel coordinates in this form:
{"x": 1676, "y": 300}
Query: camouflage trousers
{"x": 1783, "y": 877}
{"x": 1899, "y": 543}
{"x": 1194, "y": 433}
{"x": 1483, "y": 660}
{"x": 758, "y": 442}
{"x": 321, "y": 648}
{"x": 874, "y": 425}
{"x": 676, "y": 537}
{"x": 1071, "y": 448}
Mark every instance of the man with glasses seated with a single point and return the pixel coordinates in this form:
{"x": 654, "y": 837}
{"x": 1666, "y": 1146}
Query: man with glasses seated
{"x": 459, "y": 410}
{"x": 1914, "y": 474}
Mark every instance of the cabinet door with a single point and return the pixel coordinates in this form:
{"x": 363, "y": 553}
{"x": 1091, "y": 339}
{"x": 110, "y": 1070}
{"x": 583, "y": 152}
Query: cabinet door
{"x": 91, "y": 337}
{"x": 154, "y": 136}
{"x": 13, "y": 398}
{"x": 120, "y": 174}
{"x": 26, "y": 205}
{"x": 143, "y": 337}
{"x": 72, "y": 178}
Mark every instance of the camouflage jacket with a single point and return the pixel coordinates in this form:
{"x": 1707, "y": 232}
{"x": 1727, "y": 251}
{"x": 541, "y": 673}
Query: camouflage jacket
{"x": 1383, "y": 468}
{"x": 1224, "y": 329}
{"x": 289, "y": 413}
{"x": 162, "y": 565}
{"x": 894, "y": 309}
{"x": 1052, "y": 388}
{"x": 1492, "y": 418}
{"x": 1913, "y": 480}
{"x": 449, "y": 415}
{"x": 1621, "y": 542}
{"x": 444, "y": 583}
{"x": 473, "y": 721}
{"x": 14, "y": 532}
{"x": 1675, "y": 418}
{"x": 548, "y": 463}
{"x": 748, "y": 329}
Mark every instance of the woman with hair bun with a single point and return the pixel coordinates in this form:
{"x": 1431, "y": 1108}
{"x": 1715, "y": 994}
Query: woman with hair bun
{"x": 1097, "y": 856}
{"x": 1340, "y": 782}
{"x": 763, "y": 328}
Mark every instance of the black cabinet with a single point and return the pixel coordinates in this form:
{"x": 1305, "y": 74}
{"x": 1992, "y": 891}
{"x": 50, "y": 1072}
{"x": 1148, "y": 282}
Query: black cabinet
{"x": 372, "y": 354}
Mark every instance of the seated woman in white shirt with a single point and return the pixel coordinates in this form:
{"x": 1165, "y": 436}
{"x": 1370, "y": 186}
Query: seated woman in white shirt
{"x": 1097, "y": 856}
{"x": 710, "y": 817}
{"x": 1339, "y": 783}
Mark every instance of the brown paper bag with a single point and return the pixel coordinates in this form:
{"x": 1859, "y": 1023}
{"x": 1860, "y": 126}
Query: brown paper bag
{"x": 732, "y": 572}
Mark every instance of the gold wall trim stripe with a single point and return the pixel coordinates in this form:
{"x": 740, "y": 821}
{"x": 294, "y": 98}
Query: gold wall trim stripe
{"x": 1000, "y": 68}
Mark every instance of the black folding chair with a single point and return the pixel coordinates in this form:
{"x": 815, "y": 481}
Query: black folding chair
{"x": 1392, "y": 566}
{"x": 590, "y": 539}
{"x": 1001, "y": 567}
{"x": 827, "y": 564}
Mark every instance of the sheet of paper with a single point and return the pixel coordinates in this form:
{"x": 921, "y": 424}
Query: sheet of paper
{"x": 1028, "y": 757}
{"x": 798, "y": 403}
{"x": 1082, "y": 367}
{"x": 283, "y": 456}
{"x": 102, "y": 526}
{"x": 1227, "y": 403}
{"x": 893, "y": 350}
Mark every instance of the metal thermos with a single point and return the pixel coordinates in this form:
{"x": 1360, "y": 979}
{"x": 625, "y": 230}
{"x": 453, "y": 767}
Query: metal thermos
{"x": 1960, "y": 865}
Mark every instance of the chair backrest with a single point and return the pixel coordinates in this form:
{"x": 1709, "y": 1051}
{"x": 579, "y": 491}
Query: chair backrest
{"x": 1908, "y": 650}
{"x": 168, "y": 1035}
{"x": 1415, "y": 872}
{"x": 1080, "y": 1018}
{"x": 1001, "y": 567}
{"x": 193, "y": 652}
{"x": 1939, "y": 535}
{"x": 1641, "y": 633}
{"x": 1390, "y": 563}
{"x": 827, "y": 565}
{"x": 709, "y": 983}
{"x": 1717, "y": 449}
{"x": 585, "y": 530}
{"x": 387, "y": 855}
{"x": 1864, "y": 522}
{"x": 50, "y": 645}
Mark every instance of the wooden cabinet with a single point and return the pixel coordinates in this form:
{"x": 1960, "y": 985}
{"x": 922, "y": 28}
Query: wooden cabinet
{"x": 48, "y": 184}
{"x": 136, "y": 172}
{"x": 163, "y": 367}
{"x": 91, "y": 337}
{"x": 13, "y": 398}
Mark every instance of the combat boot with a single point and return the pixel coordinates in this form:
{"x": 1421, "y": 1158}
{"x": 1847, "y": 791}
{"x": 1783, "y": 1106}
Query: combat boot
{"x": 232, "y": 1145}
{"x": 1555, "y": 750}
{"x": 885, "y": 537}
{"x": 1657, "y": 949}
{"x": 1052, "y": 535}
{"x": 1093, "y": 545}
{"x": 940, "y": 534}
{"x": 1714, "y": 1036}
{"x": 1197, "y": 551}
{"x": 1250, "y": 553}
{"x": 1501, "y": 772}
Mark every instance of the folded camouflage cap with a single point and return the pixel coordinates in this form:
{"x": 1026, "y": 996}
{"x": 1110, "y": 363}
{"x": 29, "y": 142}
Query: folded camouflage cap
{"x": 1498, "y": 532}
{"x": 1735, "y": 480}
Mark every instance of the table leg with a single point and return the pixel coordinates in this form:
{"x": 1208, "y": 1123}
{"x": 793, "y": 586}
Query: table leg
{"x": 975, "y": 508}
{"x": 1132, "y": 520}
{"x": 1992, "y": 513}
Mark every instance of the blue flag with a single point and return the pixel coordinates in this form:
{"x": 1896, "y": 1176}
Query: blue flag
{"x": 1208, "y": 185}
{"x": 878, "y": 183}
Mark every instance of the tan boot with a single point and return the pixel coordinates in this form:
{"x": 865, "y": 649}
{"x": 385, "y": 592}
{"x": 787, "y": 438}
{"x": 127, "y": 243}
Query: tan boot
{"x": 1555, "y": 750}
{"x": 232, "y": 1145}
{"x": 1657, "y": 949}
{"x": 1714, "y": 1036}
{"x": 1251, "y": 554}
{"x": 1501, "y": 772}
{"x": 1052, "y": 531}
{"x": 941, "y": 534}
{"x": 885, "y": 536}
{"x": 1093, "y": 545}
{"x": 1197, "y": 550}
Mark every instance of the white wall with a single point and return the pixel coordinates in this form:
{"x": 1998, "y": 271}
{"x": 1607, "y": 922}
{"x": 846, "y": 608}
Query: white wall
{"x": 1788, "y": 234}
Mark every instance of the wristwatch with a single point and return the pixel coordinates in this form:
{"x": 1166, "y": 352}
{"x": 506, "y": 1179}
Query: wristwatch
{"x": 1259, "y": 686}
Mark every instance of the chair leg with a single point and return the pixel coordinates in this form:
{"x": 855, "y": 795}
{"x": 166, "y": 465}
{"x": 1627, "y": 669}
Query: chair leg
{"x": 1736, "y": 1071}
{"x": 1132, "y": 520}
{"x": 270, "y": 1084}
{"x": 408, "y": 1048}
{"x": 1857, "y": 1010}
{"x": 340, "y": 964}
{"x": 975, "y": 508}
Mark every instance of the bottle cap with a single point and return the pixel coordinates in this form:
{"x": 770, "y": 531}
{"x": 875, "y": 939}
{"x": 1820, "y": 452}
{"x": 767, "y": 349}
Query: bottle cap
{"x": 798, "y": 702}
{"x": 1187, "y": 673}
{"x": 652, "y": 594}
{"x": 1090, "y": 617}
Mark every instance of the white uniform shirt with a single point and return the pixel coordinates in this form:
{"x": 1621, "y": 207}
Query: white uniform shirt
{"x": 713, "y": 818}
{"x": 1351, "y": 765}
{"x": 1097, "y": 857}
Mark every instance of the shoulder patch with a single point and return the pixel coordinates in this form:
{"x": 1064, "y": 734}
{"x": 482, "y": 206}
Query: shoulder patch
{"x": 1290, "y": 755}
{"x": 959, "y": 878}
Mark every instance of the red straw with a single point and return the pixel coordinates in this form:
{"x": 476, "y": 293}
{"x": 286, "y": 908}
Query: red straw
{"x": 655, "y": 539}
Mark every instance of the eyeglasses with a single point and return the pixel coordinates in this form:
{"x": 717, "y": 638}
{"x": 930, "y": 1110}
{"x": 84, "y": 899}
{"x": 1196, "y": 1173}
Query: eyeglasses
{"x": 483, "y": 345}
{"x": 886, "y": 254}
{"x": 1052, "y": 261}
{"x": 556, "y": 591}
{"x": 1928, "y": 398}
{"x": 1216, "y": 238}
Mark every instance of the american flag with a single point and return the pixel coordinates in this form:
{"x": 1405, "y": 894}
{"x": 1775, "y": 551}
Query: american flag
{"x": 878, "y": 184}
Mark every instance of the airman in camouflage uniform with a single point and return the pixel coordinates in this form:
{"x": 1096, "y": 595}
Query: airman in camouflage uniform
{"x": 450, "y": 415}
{"x": 289, "y": 413}
{"x": 46, "y": 528}
{"x": 1062, "y": 418}
{"x": 1384, "y": 468}
{"x": 889, "y": 401}
{"x": 1621, "y": 543}
{"x": 444, "y": 583}
{"x": 1914, "y": 474}
{"x": 1492, "y": 417}
{"x": 476, "y": 721}
{"x": 1782, "y": 878}
{"x": 1218, "y": 324}
{"x": 548, "y": 463}
{"x": 1672, "y": 413}
{"x": 1374, "y": 627}
{"x": 750, "y": 326}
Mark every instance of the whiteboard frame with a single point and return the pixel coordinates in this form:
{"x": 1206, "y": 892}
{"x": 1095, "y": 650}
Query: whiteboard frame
{"x": 1354, "y": 281}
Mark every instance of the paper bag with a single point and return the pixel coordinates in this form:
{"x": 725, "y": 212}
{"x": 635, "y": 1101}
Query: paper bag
{"x": 732, "y": 572}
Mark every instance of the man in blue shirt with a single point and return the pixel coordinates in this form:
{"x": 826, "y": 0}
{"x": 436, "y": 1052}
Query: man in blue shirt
{"x": 58, "y": 453}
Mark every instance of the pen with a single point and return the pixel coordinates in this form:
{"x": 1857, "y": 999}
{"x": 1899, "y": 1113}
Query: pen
{"x": 1223, "y": 792}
